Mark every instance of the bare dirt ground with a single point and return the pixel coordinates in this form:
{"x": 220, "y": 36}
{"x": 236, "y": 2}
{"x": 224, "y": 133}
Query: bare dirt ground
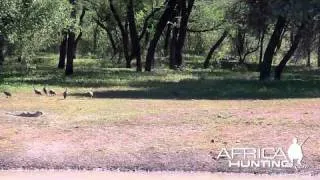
{"x": 155, "y": 135}
{"x": 87, "y": 175}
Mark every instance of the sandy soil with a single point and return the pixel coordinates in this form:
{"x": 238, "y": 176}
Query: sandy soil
{"x": 63, "y": 175}
{"x": 153, "y": 135}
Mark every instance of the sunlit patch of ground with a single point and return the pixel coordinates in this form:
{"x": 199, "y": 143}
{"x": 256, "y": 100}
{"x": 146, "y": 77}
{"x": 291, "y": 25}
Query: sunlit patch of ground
{"x": 96, "y": 175}
{"x": 84, "y": 133}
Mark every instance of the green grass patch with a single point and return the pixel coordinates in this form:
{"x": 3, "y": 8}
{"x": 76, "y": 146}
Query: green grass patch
{"x": 191, "y": 83}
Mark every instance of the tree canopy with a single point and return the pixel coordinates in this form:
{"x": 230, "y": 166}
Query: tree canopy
{"x": 268, "y": 33}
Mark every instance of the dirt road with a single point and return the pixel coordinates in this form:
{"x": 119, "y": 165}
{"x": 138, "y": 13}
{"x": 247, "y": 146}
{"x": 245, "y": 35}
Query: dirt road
{"x": 87, "y": 175}
{"x": 153, "y": 135}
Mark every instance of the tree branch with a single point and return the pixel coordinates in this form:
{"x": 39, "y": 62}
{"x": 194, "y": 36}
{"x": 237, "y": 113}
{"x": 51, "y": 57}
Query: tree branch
{"x": 205, "y": 30}
{"x": 146, "y": 21}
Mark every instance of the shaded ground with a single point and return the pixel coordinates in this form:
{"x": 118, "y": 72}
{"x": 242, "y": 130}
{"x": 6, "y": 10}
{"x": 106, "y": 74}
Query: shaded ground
{"x": 128, "y": 134}
{"x": 191, "y": 83}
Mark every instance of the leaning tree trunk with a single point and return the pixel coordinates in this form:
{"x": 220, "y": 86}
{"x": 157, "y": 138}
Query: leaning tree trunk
{"x": 63, "y": 52}
{"x": 70, "y": 53}
{"x": 213, "y": 49}
{"x": 158, "y": 32}
{"x": 185, "y": 13}
{"x": 110, "y": 37}
{"x": 124, "y": 34}
{"x": 144, "y": 32}
{"x": 279, "y": 69}
{"x": 136, "y": 48}
{"x": 265, "y": 69}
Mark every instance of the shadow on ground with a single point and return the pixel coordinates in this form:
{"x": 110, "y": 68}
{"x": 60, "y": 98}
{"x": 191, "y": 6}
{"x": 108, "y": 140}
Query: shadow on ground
{"x": 215, "y": 90}
{"x": 167, "y": 84}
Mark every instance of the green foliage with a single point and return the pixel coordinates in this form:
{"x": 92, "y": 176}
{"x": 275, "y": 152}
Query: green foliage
{"x": 207, "y": 14}
{"x": 33, "y": 25}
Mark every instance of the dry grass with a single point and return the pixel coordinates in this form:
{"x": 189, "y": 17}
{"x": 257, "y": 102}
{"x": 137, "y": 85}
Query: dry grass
{"x": 150, "y": 134}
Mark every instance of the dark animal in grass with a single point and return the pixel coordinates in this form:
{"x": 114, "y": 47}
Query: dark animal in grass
{"x": 52, "y": 92}
{"x": 65, "y": 94}
{"x": 45, "y": 90}
{"x": 8, "y": 94}
{"x": 36, "y": 91}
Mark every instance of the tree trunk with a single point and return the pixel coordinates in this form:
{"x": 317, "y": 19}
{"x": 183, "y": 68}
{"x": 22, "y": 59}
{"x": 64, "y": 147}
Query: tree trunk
{"x": 289, "y": 54}
{"x": 2, "y": 45}
{"x": 280, "y": 41}
{"x": 240, "y": 40}
{"x": 71, "y": 43}
{"x": 63, "y": 52}
{"x": 146, "y": 24}
{"x": 120, "y": 56}
{"x": 136, "y": 48}
{"x": 265, "y": 69}
{"x": 146, "y": 39}
{"x": 319, "y": 50}
{"x": 263, "y": 33}
{"x": 113, "y": 42}
{"x": 158, "y": 32}
{"x": 124, "y": 34}
{"x": 173, "y": 44}
{"x": 167, "y": 40}
{"x": 75, "y": 46}
{"x": 95, "y": 39}
{"x": 110, "y": 36}
{"x": 214, "y": 48}
{"x": 80, "y": 34}
{"x": 185, "y": 13}
{"x": 309, "y": 56}
{"x": 175, "y": 23}
{"x": 70, "y": 53}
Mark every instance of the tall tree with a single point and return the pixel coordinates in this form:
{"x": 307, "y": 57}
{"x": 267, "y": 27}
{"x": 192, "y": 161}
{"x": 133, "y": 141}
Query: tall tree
{"x": 135, "y": 42}
{"x": 70, "y": 52}
{"x": 124, "y": 33}
{"x": 186, "y": 9}
{"x": 162, "y": 23}
{"x": 71, "y": 42}
{"x": 318, "y": 50}
{"x": 265, "y": 68}
{"x": 289, "y": 54}
{"x": 2, "y": 45}
{"x": 63, "y": 51}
